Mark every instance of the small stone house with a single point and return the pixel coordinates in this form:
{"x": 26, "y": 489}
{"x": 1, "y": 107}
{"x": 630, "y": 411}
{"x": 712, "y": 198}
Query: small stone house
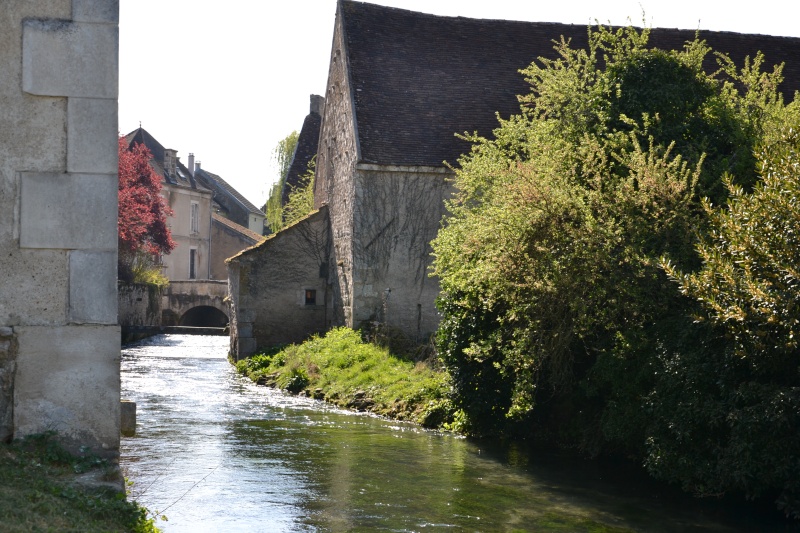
{"x": 400, "y": 85}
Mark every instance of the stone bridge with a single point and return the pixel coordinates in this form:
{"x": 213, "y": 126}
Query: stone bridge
{"x": 198, "y": 303}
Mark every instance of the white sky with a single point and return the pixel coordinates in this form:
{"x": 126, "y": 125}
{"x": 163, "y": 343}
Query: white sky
{"x": 228, "y": 80}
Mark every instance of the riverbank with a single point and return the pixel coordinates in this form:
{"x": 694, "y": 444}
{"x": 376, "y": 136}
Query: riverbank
{"x": 342, "y": 369}
{"x": 44, "y": 488}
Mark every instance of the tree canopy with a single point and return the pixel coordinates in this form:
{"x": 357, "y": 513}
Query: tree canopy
{"x": 142, "y": 219}
{"x": 560, "y": 320}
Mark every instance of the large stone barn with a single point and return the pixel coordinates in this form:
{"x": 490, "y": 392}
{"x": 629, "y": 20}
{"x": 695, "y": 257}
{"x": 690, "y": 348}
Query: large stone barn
{"x": 400, "y": 85}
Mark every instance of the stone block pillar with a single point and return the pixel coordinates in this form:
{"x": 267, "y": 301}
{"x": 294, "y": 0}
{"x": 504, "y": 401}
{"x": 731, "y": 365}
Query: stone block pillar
{"x": 59, "y": 339}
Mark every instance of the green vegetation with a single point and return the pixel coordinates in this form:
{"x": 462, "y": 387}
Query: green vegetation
{"x": 144, "y": 270}
{"x": 343, "y": 369}
{"x": 282, "y": 154}
{"x": 39, "y": 492}
{"x": 562, "y": 317}
{"x": 301, "y": 198}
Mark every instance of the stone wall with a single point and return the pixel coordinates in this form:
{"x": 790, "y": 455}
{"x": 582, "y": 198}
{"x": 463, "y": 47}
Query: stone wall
{"x": 334, "y": 185}
{"x": 269, "y": 284}
{"x": 139, "y": 305}
{"x": 59, "y": 339}
{"x": 225, "y": 242}
{"x": 398, "y": 211}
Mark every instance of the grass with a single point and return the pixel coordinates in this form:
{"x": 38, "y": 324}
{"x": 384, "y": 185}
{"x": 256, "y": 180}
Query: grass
{"x": 343, "y": 369}
{"x": 40, "y": 491}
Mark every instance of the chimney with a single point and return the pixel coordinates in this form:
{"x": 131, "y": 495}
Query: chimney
{"x": 170, "y": 161}
{"x": 317, "y": 104}
{"x": 197, "y": 166}
{"x": 191, "y": 164}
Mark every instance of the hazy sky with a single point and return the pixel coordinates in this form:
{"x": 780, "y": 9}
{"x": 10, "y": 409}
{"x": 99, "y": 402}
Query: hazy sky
{"x": 227, "y": 80}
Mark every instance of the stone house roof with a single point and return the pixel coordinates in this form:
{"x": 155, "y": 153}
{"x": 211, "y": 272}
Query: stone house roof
{"x": 252, "y": 235}
{"x": 221, "y": 187}
{"x": 180, "y": 176}
{"x": 417, "y": 79}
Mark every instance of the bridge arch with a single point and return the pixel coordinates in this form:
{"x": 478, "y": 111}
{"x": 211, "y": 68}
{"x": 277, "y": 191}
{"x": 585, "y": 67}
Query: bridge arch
{"x": 196, "y": 303}
{"x": 204, "y": 316}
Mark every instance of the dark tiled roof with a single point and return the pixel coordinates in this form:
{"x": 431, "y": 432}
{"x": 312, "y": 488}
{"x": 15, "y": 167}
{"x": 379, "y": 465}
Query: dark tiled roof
{"x": 307, "y": 143}
{"x": 220, "y": 186}
{"x": 417, "y": 79}
{"x": 252, "y": 235}
{"x": 182, "y": 178}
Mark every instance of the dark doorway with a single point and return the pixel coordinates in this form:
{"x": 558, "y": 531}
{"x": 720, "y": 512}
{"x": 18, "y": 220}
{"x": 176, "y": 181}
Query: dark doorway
{"x": 204, "y": 316}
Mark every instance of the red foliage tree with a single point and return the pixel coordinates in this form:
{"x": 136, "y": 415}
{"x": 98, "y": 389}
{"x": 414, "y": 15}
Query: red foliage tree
{"x": 143, "y": 212}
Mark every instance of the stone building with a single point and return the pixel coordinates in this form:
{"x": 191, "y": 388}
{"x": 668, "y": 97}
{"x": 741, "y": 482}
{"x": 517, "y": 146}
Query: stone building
{"x": 306, "y": 149}
{"x": 59, "y": 339}
{"x": 400, "y": 85}
{"x": 210, "y": 220}
{"x": 190, "y": 222}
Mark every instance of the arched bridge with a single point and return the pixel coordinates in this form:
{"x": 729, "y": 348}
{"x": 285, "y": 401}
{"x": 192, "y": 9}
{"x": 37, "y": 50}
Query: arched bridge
{"x": 198, "y": 303}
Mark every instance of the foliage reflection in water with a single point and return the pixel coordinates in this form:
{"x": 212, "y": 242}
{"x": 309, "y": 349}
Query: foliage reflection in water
{"x": 216, "y": 453}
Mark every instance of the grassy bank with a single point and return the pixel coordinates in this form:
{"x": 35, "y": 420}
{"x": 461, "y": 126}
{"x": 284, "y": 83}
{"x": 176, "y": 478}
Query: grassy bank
{"x": 44, "y": 488}
{"x": 344, "y": 370}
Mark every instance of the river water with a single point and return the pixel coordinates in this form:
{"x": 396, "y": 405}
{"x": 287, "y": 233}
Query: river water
{"x": 214, "y": 452}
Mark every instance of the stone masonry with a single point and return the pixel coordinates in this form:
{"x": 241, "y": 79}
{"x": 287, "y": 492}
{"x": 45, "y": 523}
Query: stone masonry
{"x": 59, "y": 339}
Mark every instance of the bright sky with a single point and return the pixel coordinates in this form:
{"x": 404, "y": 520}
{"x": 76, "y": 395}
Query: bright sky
{"x": 228, "y": 80}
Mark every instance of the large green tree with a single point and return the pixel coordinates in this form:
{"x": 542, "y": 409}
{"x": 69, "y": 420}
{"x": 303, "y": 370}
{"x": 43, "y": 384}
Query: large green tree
{"x": 557, "y": 313}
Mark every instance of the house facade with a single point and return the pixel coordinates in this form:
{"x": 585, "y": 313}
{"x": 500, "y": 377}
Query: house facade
{"x": 401, "y": 85}
{"x": 190, "y": 221}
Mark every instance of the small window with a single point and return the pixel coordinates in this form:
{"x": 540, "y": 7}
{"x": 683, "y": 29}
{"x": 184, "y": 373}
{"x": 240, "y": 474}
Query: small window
{"x": 311, "y": 297}
{"x": 192, "y": 263}
{"x": 195, "y": 218}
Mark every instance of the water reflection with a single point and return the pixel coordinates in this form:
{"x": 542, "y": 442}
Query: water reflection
{"x": 216, "y": 453}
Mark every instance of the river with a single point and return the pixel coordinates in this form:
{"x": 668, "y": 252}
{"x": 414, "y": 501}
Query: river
{"x": 214, "y": 452}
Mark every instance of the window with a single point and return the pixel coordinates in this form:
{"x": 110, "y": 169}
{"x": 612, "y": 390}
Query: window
{"x": 311, "y": 297}
{"x": 193, "y": 263}
{"x": 195, "y": 218}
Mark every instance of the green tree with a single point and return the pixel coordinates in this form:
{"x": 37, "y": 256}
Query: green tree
{"x": 748, "y": 290}
{"x": 282, "y": 156}
{"x": 558, "y": 318}
{"x": 301, "y": 198}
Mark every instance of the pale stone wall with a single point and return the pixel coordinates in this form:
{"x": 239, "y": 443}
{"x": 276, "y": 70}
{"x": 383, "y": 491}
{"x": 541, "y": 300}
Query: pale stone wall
{"x": 398, "y": 211}
{"x": 176, "y": 263}
{"x": 139, "y": 305}
{"x": 334, "y": 185}
{"x": 59, "y": 339}
{"x": 268, "y": 285}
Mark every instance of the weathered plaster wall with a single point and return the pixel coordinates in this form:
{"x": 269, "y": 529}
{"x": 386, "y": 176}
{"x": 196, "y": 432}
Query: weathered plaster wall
{"x": 59, "y": 342}
{"x": 268, "y": 285}
{"x": 398, "y": 211}
{"x": 334, "y": 185}
{"x": 176, "y": 263}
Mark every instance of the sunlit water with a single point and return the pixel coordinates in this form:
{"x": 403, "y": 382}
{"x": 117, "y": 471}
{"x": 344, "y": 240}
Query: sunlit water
{"x": 213, "y": 452}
